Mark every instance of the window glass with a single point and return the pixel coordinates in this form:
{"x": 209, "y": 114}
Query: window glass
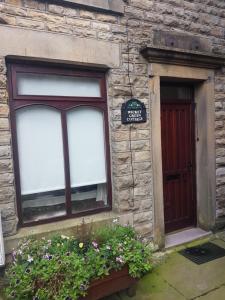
{"x": 87, "y": 158}
{"x": 57, "y": 85}
{"x": 40, "y": 150}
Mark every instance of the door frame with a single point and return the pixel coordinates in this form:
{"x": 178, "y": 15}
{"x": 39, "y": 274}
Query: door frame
{"x": 203, "y": 82}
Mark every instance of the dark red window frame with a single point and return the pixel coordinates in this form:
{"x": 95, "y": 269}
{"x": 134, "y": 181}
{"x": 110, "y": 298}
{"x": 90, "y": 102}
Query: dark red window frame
{"x": 62, "y": 104}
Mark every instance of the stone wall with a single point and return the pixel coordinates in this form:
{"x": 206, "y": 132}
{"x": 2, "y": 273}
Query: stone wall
{"x": 205, "y": 19}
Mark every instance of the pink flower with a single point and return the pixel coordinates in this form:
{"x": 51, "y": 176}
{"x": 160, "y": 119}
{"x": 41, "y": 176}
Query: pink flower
{"x": 95, "y": 244}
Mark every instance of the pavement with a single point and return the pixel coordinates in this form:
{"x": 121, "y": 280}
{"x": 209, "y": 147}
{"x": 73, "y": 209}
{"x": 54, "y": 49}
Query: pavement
{"x": 180, "y": 279}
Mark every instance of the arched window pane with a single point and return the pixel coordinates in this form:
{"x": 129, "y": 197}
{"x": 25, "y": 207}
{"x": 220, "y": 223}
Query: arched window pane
{"x": 87, "y": 158}
{"x": 40, "y": 150}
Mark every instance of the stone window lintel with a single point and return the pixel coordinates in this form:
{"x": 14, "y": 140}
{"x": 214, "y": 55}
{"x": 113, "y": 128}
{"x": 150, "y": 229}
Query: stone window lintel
{"x": 110, "y": 6}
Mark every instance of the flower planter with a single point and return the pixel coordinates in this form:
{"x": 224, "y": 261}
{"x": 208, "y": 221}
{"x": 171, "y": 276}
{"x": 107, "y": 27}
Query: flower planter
{"x": 116, "y": 281}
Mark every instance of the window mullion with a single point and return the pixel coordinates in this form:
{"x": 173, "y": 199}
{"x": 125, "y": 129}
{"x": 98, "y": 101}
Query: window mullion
{"x": 66, "y": 163}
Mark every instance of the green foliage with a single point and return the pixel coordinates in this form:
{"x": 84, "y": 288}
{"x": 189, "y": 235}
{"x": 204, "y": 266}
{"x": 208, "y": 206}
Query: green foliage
{"x": 62, "y": 268}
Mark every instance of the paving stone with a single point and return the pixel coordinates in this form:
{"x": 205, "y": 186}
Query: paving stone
{"x": 218, "y": 294}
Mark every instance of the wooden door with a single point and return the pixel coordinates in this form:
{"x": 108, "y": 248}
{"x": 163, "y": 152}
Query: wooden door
{"x": 178, "y": 157}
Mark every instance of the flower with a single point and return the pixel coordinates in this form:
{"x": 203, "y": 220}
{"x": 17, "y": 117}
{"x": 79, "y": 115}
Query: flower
{"x": 81, "y": 245}
{"x": 30, "y": 259}
{"x": 108, "y": 247}
{"x": 119, "y": 259}
{"x": 83, "y": 287}
{"x": 95, "y": 244}
{"x": 115, "y": 220}
{"x": 64, "y": 237}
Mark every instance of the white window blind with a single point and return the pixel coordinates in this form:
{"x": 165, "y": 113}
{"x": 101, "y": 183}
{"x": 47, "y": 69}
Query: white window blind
{"x": 40, "y": 148}
{"x": 86, "y": 146}
{"x": 57, "y": 85}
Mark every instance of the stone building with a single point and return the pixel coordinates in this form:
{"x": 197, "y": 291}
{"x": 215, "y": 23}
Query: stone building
{"x": 66, "y": 68}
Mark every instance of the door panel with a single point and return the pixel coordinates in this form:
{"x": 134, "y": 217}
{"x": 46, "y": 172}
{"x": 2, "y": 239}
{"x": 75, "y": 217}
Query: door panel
{"x": 178, "y": 160}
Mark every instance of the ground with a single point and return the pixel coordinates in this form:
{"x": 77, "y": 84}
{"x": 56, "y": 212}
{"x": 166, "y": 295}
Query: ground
{"x": 180, "y": 279}
{"x": 177, "y": 278}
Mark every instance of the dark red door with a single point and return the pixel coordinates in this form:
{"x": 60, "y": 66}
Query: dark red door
{"x": 178, "y": 157}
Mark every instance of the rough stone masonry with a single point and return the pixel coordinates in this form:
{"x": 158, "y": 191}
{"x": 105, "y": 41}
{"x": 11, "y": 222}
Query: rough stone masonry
{"x": 205, "y": 19}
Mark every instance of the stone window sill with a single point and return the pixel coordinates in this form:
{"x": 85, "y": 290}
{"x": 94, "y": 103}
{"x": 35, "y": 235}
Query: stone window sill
{"x": 111, "y": 6}
{"x": 68, "y": 226}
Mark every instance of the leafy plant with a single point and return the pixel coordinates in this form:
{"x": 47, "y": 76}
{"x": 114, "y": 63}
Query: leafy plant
{"x": 62, "y": 268}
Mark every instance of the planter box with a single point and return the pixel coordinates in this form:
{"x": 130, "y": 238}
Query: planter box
{"x": 116, "y": 281}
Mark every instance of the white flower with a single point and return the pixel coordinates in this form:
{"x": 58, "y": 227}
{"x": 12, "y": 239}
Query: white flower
{"x": 64, "y": 237}
{"x": 30, "y": 259}
{"x": 115, "y": 220}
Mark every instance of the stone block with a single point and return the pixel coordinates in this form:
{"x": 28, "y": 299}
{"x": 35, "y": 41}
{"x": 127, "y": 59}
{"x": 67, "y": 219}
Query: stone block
{"x": 59, "y": 28}
{"x": 141, "y": 167}
{"x": 128, "y": 205}
{"x": 121, "y": 169}
{"x": 56, "y": 9}
{"x": 35, "y": 4}
{"x": 43, "y": 16}
{"x": 4, "y": 110}
{"x": 219, "y": 124}
{"x": 86, "y": 33}
{"x": 3, "y": 96}
{"x": 142, "y": 191}
{"x": 121, "y": 158}
{"x": 220, "y": 172}
{"x": 6, "y": 165}
{"x": 220, "y": 152}
{"x": 7, "y": 211}
{"x": 3, "y": 81}
{"x": 13, "y": 10}
{"x": 6, "y": 179}
{"x": 4, "y": 124}
{"x": 9, "y": 20}
{"x": 122, "y": 146}
{"x": 143, "y": 217}
{"x": 140, "y": 145}
{"x": 144, "y": 229}
{"x": 30, "y": 24}
{"x": 142, "y": 179}
{"x": 5, "y": 152}
{"x": 123, "y": 182}
{"x": 7, "y": 194}
{"x": 87, "y": 14}
{"x": 78, "y": 22}
{"x": 5, "y": 138}
{"x": 140, "y": 156}
{"x": 106, "y": 18}
{"x": 101, "y": 26}
{"x": 9, "y": 227}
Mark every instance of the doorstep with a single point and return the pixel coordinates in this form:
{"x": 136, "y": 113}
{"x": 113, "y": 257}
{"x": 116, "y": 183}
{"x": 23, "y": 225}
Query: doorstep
{"x": 185, "y": 236}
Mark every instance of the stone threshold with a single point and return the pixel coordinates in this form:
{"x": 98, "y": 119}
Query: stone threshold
{"x": 185, "y": 236}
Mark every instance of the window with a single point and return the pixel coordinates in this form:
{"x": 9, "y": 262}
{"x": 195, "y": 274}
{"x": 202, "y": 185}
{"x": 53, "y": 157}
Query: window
{"x": 60, "y": 139}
